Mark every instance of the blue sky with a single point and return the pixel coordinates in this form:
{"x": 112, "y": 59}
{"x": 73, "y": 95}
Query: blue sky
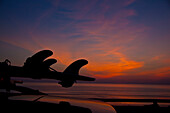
{"x": 125, "y": 40}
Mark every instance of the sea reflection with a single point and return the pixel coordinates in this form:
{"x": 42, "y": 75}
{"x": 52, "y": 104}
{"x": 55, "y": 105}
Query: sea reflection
{"x": 113, "y": 91}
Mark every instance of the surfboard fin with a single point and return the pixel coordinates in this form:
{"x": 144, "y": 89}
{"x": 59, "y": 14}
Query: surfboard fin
{"x": 75, "y": 66}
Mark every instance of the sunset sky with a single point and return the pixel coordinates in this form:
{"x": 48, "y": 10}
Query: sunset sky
{"x": 125, "y": 41}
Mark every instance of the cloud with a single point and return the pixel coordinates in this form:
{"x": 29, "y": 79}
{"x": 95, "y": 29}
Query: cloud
{"x": 101, "y": 31}
{"x": 114, "y": 68}
{"x": 97, "y": 31}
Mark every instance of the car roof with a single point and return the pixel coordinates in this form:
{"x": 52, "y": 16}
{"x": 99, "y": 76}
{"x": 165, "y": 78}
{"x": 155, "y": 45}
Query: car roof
{"x": 94, "y": 106}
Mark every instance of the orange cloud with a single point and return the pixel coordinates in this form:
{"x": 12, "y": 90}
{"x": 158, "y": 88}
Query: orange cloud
{"x": 156, "y": 58}
{"x": 112, "y": 68}
{"x": 163, "y": 72}
{"x": 159, "y": 72}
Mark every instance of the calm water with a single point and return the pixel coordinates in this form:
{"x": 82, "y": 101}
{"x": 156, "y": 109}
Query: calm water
{"x": 117, "y": 91}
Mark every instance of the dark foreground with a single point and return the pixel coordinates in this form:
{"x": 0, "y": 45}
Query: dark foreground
{"x": 65, "y": 107}
{"x": 32, "y": 106}
{"x": 38, "y": 104}
{"x": 41, "y": 103}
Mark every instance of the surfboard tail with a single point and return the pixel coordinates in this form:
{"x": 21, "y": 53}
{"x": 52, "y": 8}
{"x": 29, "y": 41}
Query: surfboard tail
{"x": 71, "y": 73}
{"x": 75, "y": 66}
{"x": 37, "y": 59}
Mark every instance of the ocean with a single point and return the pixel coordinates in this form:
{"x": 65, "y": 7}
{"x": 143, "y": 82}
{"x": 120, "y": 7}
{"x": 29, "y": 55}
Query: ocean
{"x": 106, "y": 91}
